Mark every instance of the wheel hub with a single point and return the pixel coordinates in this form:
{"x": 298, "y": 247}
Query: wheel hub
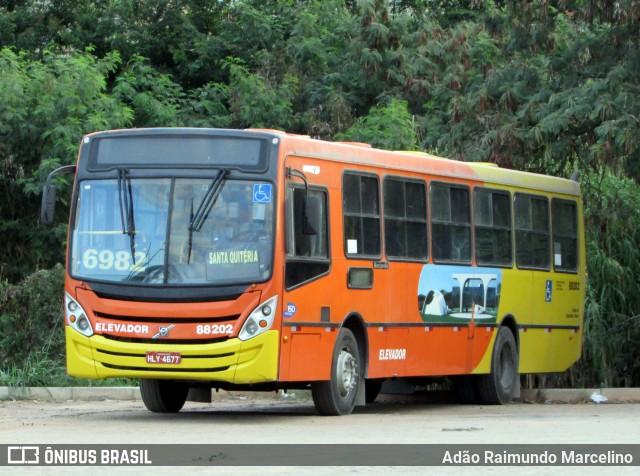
{"x": 347, "y": 371}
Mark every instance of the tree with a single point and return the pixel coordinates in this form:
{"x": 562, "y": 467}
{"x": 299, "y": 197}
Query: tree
{"x": 386, "y": 127}
{"x": 259, "y": 101}
{"x": 612, "y": 327}
{"x": 45, "y": 108}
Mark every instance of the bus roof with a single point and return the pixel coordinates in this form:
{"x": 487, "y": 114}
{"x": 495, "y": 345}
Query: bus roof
{"x": 357, "y": 153}
{"x": 421, "y": 162}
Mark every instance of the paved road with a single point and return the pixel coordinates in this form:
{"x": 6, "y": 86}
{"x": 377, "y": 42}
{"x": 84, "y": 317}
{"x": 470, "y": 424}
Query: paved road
{"x": 248, "y": 420}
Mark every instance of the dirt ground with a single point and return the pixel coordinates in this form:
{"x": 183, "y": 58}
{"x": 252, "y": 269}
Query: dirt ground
{"x": 244, "y": 420}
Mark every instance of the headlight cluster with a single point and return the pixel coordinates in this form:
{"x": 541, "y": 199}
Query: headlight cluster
{"x": 76, "y": 317}
{"x": 259, "y": 320}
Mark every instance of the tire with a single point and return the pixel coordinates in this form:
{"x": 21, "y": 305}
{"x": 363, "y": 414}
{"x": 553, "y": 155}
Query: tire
{"x": 499, "y": 387}
{"x": 338, "y": 395}
{"x": 372, "y": 390}
{"x": 163, "y": 396}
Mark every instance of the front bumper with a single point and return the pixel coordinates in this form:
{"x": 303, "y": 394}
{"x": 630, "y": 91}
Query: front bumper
{"x": 233, "y": 361}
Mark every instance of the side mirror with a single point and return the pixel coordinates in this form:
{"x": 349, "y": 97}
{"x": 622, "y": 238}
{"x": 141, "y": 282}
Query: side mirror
{"x": 48, "y": 206}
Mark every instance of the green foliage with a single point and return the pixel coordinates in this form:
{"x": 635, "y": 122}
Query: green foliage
{"x": 32, "y": 347}
{"x": 153, "y": 96}
{"x": 31, "y": 322}
{"x": 46, "y": 106}
{"x": 259, "y": 101}
{"x": 386, "y": 127}
{"x": 612, "y": 327}
{"x": 318, "y": 45}
{"x": 207, "y": 106}
{"x": 37, "y": 370}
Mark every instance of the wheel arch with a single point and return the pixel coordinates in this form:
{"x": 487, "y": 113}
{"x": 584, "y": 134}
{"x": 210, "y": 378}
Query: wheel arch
{"x": 355, "y": 323}
{"x": 501, "y": 384}
{"x": 510, "y": 322}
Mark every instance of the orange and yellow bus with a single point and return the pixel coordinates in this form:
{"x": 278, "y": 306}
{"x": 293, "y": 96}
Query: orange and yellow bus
{"x": 203, "y": 259}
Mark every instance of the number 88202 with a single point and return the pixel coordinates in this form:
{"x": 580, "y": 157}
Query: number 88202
{"x": 214, "y": 329}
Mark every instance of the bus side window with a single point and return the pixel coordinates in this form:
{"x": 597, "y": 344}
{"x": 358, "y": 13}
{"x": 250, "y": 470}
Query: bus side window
{"x": 492, "y": 223}
{"x": 307, "y": 253}
{"x": 405, "y": 219}
{"x": 565, "y": 235}
{"x": 361, "y": 209}
{"x": 532, "y": 231}
{"x": 450, "y": 223}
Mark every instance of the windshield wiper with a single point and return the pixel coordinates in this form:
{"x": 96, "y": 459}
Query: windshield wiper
{"x": 125, "y": 194}
{"x": 204, "y": 208}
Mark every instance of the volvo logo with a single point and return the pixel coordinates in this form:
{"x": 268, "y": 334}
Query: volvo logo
{"x": 163, "y": 331}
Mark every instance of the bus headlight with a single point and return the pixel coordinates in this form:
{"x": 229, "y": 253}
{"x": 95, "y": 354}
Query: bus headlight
{"x": 76, "y": 317}
{"x": 260, "y": 320}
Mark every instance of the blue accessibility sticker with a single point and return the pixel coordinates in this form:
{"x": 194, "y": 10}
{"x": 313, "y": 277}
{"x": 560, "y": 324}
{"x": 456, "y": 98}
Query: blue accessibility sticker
{"x": 262, "y": 192}
{"x": 549, "y": 290}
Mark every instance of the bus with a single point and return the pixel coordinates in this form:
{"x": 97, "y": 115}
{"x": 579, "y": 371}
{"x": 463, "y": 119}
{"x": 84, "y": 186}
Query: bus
{"x": 203, "y": 259}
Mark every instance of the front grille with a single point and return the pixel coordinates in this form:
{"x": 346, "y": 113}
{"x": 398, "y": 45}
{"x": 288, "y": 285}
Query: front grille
{"x": 165, "y": 340}
{"x": 134, "y": 360}
{"x": 141, "y": 355}
{"x": 165, "y": 320}
{"x": 162, "y": 369}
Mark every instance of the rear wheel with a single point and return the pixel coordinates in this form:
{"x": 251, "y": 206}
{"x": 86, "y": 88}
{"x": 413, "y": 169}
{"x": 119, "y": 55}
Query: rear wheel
{"x": 338, "y": 395}
{"x": 499, "y": 387}
{"x": 163, "y": 396}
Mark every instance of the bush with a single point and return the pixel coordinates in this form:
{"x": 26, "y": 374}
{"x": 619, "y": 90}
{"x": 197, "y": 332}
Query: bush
{"x": 32, "y": 350}
{"x": 612, "y": 319}
{"x": 31, "y": 320}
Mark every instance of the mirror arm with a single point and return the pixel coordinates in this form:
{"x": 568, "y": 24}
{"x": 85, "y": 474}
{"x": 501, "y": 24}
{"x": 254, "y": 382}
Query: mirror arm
{"x": 49, "y": 194}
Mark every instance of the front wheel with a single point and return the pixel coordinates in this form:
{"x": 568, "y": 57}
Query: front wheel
{"x": 499, "y": 387}
{"x": 338, "y": 395}
{"x": 163, "y": 396}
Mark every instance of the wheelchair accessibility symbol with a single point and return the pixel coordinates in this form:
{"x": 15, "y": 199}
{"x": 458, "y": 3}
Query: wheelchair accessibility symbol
{"x": 262, "y": 193}
{"x": 547, "y": 295}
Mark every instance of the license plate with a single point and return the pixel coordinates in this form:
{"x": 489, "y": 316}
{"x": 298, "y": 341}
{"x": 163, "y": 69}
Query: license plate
{"x": 164, "y": 357}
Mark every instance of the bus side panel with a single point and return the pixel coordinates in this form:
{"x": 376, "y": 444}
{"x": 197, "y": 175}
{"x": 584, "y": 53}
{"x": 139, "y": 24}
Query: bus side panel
{"x": 459, "y": 304}
{"x": 554, "y": 339}
{"x": 308, "y": 336}
{"x": 405, "y": 342}
{"x": 438, "y": 351}
{"x": 309, "y": 326}
{"x": 300, "y": 354}
{"x": 520, "y": 303}
{"x": 383, "y": 307}
{"x": 547, "y": 308}
{"x": 482, "y": 349}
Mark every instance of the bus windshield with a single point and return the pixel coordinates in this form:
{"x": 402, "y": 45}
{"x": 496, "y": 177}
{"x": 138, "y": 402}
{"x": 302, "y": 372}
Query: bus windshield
{"x": 172, "y": 231}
